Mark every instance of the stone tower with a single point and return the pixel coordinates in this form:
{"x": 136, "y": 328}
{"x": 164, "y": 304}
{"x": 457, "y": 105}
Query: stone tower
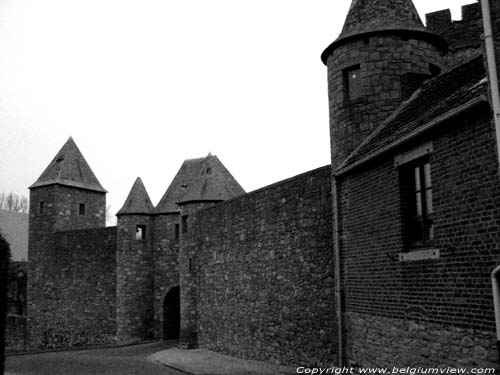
{"x": 382, "y": 54}
{"x": 66, "y": 196}
{"x": 135, "y": 264}
{"x": 199, "y": 184}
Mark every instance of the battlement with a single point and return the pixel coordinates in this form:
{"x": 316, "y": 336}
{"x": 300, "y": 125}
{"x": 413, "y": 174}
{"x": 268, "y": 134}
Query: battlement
{"x": 441, "y": 20}
{"x": 463, "y": 36}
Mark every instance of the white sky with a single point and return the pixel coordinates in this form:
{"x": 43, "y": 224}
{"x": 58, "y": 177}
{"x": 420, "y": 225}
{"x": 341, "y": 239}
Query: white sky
{"x": 142, "y": 85}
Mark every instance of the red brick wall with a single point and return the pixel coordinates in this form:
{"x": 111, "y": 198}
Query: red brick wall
{"x": 453, "y": 291}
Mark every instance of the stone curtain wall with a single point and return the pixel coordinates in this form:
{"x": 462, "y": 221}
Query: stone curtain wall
{"x": 4, "y": 271}
{"x": 188, "y": 264}
{"x": 463, "y": 37}
{"x": 427, "y": 312}
{"x": 78, "y": 290}
{"x": 264, "y": 273}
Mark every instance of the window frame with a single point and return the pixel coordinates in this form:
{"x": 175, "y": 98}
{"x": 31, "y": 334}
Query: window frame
{"x": 143, "y": 232}
{"x": 82, "y": 209}
{"x": 419, "y": 210}
{"x": 348, "y": 92}
{"x": 41, "y": 208}
{"x": 417, "y": 196}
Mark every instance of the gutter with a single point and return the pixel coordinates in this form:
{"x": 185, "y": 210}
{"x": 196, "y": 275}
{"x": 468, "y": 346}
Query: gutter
{"x": 337, "y": 271}
{"x": 492, "y": 69}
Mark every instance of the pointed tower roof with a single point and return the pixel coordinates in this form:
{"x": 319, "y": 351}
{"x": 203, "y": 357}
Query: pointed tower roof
{"x": 375, "y": 16}
{"x": 203, "y": 179}
{"x": 138, "y": 201}
{"x": 69, "y": 168}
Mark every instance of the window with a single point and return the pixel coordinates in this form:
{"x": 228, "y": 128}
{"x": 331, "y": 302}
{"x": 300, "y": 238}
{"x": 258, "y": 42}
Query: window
{"x": 41, "y": 208}
{"x": 176, "y": 231}
{"x": 185, "y": 224}
{"x": 434, "y": 70}
{"x": 140, "y": 232}
{"x": 81, "y": 209}
{"x": 418, "y": 202}
{"x": 352, "y": 82}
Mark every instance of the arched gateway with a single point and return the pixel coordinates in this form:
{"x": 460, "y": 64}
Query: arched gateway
{"x": 171, "y": 314}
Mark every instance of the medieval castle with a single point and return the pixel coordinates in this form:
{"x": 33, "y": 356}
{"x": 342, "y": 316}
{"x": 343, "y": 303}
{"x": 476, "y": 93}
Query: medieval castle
{"x": 383, "y": 258}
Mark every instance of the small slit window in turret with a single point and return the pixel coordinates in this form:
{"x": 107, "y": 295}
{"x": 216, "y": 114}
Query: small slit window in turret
{"x": 81, "y": 209}
{"x": 41, "y": 208}
{"x": 185, "y": 224}
{"x": 176, "y": 231}
{"x": 140, "y": 232}
{"x": 352, "y": 82}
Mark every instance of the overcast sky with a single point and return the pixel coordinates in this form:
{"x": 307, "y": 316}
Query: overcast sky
{"x": 142, "y": 85}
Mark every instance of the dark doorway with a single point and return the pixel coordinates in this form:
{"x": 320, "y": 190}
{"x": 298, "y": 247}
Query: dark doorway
{"x": 171, "y": 314}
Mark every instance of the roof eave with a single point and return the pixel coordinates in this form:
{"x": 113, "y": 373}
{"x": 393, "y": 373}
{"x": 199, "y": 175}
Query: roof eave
{"x": 67, "y": 183}
{"x": 119, "y": 213}
{"x": 214, "y": 200}
{"x": 427, "y": 35}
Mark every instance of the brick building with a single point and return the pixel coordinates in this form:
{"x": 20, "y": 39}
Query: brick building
{"x": 397, "y": 274}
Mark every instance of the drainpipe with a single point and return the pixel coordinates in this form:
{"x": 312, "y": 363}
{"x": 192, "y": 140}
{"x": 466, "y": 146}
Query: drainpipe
{"x": 337, "y": 271}
{"x": 495, "y": 98}
{"x": 496, "y": 303}
{"x": 492, "y": 69}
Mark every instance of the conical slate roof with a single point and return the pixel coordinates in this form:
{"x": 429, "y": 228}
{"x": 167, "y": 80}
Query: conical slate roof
{"x": 203, "y": 179}
{"x": 370, "y": 16}
{"x": 138, "y": 201}
{"x": 69, "y": 168}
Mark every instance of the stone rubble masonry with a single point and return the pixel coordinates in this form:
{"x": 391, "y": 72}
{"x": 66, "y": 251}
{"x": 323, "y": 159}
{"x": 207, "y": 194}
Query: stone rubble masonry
{"x": 79, "y": 293}
{"x": 448, "y": 293}
{"x": 70, "y": 274}
{"x": 4, "y": 271}
{"x": 166, "y": 264}
{"x": 16, "y": 328}
{"x": 463, "y": 36}
{"x": 388, "y": 342}
{"x": 188, "y": 266}
{"x": 16, "y": 334}
{"x": 134, "y": 280}
{"x": 263, "y": 274}
{"x": 383, "y": 60}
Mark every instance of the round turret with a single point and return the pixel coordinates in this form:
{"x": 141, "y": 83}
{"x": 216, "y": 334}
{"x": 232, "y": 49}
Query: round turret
{"x": 134, "y": 270}
{"x": 383, "y": 44}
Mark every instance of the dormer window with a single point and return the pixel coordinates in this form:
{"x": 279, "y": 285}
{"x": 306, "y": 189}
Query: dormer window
{"x": 81, "y": 209}
{"x": 352, "y": 82}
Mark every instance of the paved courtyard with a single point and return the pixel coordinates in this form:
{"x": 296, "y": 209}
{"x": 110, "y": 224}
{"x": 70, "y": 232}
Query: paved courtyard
{"x": 114, "y": 361}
